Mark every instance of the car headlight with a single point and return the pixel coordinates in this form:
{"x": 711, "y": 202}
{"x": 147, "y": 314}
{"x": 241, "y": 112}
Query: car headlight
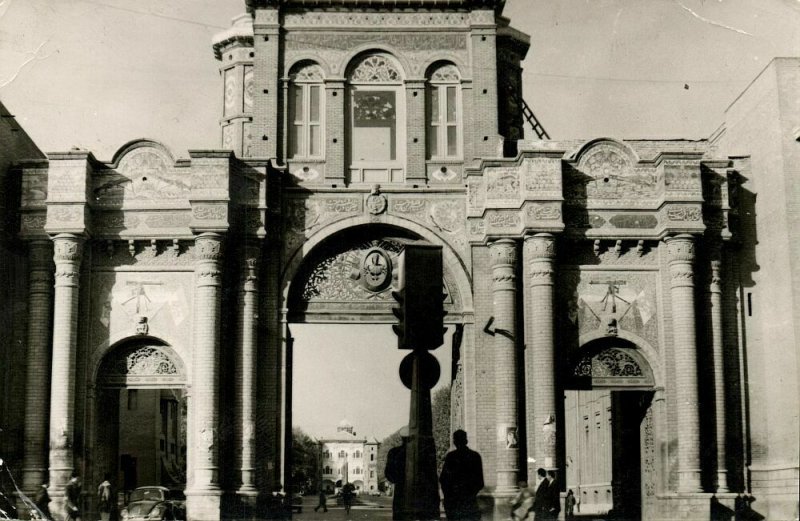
{"x": 124, "y": 513}
{"x": 156, "y": 512}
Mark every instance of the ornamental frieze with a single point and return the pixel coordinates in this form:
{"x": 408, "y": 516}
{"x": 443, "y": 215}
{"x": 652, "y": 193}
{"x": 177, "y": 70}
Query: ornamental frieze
{"x": 141, "y": 253}
{"x": 383, "y": 19}
{"x": 304, "y": 215}
{"x": 544, "y": 212}
{"x": 57, "y": 215}
{"x": 499, "y": 220}
{"x": 682, "y": 176}
{"x": 210, "y": 212}
{"x": 32, "y": 222}
{"x": 684, "y": 213}
{"x": 66, "y": 182}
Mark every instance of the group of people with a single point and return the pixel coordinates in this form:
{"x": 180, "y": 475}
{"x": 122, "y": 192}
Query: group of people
{"x": 72, "y": 500}
{"x": 461, "y": 479}
{"x": 544, "y": 503}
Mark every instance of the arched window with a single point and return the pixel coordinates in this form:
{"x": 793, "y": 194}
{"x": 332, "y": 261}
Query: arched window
{"x": 444, "y": 113}
{"x": 305, "y": 111}
{"x": 376, "y": 120}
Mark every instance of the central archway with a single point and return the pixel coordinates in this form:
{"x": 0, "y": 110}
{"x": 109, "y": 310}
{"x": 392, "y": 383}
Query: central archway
{"x": 343, "y": 278}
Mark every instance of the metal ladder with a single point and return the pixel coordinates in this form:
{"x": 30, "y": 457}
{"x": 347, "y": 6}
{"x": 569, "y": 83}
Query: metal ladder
{"x": 531, "y": 117}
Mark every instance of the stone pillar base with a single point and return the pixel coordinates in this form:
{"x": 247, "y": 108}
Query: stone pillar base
{"x": 204, "y": 505}
{"x": 501, "y": 504}
{"x": 691, "y": 507}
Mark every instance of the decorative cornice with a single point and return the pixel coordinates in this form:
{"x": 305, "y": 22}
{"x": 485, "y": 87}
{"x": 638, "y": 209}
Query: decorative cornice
{"x": 497, "y": 5}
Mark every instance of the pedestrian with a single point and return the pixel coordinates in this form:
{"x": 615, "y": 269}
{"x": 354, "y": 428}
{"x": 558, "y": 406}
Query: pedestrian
{"x": 42, "y": 502}
{"x": 278, "y": 508}
{"x": 348, "y": 493}
{"x": 569, "y": 505}
{"x": 323, "y": 501}
{"x": 541, "y": 500}
{"x": 396, "y": 473}
{"x": 522, "y": 504}
{"x": 554, "y": 496}
{"x": 72, "y": 493}
{"x": 461, "y": 480}
{"x": 104, "y": 498}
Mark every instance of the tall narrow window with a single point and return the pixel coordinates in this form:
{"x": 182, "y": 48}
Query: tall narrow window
{"x": 305, "y": 111}
{"x": 377, "y": 120}
{"x": 444, "y": 113}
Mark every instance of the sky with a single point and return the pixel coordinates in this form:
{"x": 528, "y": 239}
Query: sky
{"x": 347, "y": 372}
{"x": 98, "y": 73}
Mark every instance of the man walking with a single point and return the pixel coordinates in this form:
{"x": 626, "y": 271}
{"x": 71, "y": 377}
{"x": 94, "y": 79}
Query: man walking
{"x": 541, "y": 500}
{"x": 396, "y": 473}
{"x": 323, "y": 501}
{"x": 72, "y": 492}
{"x": 462, "y": 479}
{"x": 554, "y": 496}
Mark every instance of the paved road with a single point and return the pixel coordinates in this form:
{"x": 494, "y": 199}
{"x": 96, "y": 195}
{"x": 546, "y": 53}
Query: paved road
{"x": 366, "y": 509}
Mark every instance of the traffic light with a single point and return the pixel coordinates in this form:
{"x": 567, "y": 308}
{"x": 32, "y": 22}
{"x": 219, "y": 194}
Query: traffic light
{"x": 420, "y": 297}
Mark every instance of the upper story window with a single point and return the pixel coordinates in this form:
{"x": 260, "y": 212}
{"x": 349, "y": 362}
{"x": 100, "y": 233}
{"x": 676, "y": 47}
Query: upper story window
{"x": 444, "y": 113}
{"x": 305, "y": 111}
{"x": 376, "y": 119}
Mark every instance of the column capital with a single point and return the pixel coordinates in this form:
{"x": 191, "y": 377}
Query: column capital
{"x": 503, "y": 252}
{"x": 208, "y": 246}
{"x": 540, "y": 247}
{"x": 680, "y": 248}
{"x": 67, "y": 247}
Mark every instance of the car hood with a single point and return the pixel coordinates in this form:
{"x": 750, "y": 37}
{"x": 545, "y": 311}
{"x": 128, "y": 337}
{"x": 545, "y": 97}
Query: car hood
{"x": 141, "y": 508}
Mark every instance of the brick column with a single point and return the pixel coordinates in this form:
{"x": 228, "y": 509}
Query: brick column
{"x": 246, "y": 370}
{"x": 415, "y": 131}
{"x": 37, "y": 380}
{"x": 715, "y": 297}
{"x": 67, "y": 255}
{"x": 540, "y": 414}
{"x": 503, "y": 255}
{"x": 335, "y": 169}
{"x": 203, "y": 498}
{"x": 680, "y": 252}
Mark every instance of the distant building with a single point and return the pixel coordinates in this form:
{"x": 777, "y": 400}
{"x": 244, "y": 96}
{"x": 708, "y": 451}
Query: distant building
{"x": 346, "y": 457}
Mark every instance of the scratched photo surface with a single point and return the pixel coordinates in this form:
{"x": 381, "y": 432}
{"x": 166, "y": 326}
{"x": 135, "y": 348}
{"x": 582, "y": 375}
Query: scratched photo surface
{"x": 642, "y": 229}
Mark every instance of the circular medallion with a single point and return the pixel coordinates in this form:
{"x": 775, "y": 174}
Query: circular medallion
{"x": 376, "y": 270}
{"x": 376, "y": 203}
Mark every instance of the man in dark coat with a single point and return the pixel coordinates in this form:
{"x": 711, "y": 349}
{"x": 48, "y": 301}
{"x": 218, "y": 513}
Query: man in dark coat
{"x": 554, "y": 495}
{"x": 72, "y": 492}
{"x": 541, "y": 502}
{"x": 396, "y": 473}
{"x": 462, "y": 479}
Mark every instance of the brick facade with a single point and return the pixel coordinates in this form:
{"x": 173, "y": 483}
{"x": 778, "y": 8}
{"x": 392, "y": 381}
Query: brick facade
{"x": 574, "y": 264}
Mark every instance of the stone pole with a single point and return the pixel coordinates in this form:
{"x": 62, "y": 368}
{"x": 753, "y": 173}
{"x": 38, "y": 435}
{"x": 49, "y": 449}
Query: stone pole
{"x": 67, "y": 249}
{"x": 540, "y": 416}
{"x": 680, "y": 254}
{"x": 37, "y": 381}
{"x": 203, "y": 495}
{"x": 503, "y": 255}
{"x": 715, "y": 294}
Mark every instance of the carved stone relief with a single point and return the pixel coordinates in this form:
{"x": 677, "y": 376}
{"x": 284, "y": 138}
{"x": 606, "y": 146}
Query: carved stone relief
{"x": 144, "y": 174}
{"x": 34, "y": 188}
{"x": 305, "y": 215}
{"x": 120, "y": 300}
{"x": 606, "y": 176}
{"x": 396, "y": 19}
{"x": 502, "y": 184}
{"x": 542, "y": 177}
{"x": 606, "y": 300}
{"x": 608, "y": 363}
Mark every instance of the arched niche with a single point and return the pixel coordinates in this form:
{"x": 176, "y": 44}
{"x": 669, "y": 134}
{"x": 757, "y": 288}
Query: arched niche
{"x": 141, "y": 362}
{"x": 609, "y": 363}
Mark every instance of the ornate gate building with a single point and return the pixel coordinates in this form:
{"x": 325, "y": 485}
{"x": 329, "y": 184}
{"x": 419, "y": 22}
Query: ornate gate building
{"x": 350, "y": 126}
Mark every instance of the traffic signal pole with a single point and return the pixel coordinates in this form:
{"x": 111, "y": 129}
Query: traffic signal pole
{"x": 421, "y": 500}
{"x": 420, "y": 328}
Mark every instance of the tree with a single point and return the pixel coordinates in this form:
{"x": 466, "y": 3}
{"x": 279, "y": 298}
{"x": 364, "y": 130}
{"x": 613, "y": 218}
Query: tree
{"x": 440, "y": 405}
{"x": 305, "y": 461}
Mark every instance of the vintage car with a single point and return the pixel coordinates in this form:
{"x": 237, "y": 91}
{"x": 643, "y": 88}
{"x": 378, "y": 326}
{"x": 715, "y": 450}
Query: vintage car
{"x": 155, "y": 504}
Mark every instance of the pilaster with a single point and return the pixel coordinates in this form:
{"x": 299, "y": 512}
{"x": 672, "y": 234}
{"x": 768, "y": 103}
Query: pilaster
{"x": 246, "y": 371}
{"x": 681, "y": 255}
{"x": 67, "y": 254}
{"x": 203, "y": 496}
{"x": 415, "y": 125}
{"x": 540, "y": 414}
{"x": 266, "y": 114}
{"x": 715, "y": 298}
{"x": 334, "y": 131}
{"x": 503, "y": 258}
{"x": 37, "y": 381}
